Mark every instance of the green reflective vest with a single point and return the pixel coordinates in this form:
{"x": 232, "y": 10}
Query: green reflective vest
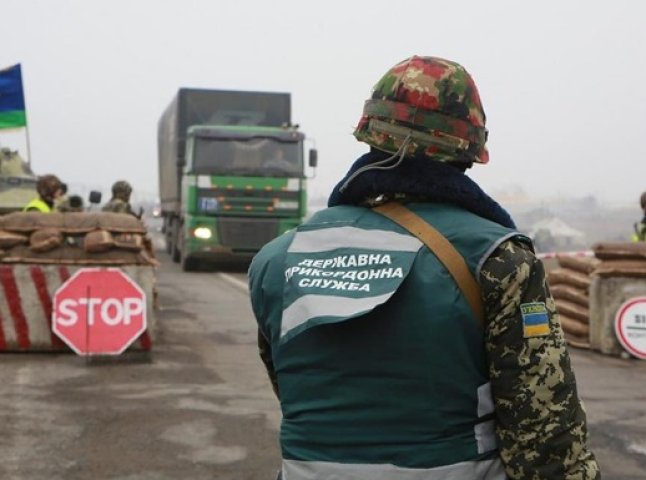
{"x": 380, "y": 361}
{"x": 640, "y": 232}
{"x": 37, "y": 204}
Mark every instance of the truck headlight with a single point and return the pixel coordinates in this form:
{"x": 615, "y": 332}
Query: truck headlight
{"x": 203, "y": 232}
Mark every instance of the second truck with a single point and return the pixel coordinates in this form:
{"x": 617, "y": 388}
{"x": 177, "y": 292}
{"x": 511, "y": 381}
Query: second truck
{"x": 231, "y": 173}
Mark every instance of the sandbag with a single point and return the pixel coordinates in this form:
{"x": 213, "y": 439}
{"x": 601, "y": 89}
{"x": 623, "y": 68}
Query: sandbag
{"x": 578, "y": 342}
{"x": 572, "y": 294}
{"x": 579, "y": 264}
{"x": 61, "y": 238}
{"x": 45, "y": 240}
{"x": 620, "y": 251}
{"x": 28, "y": 222}
{"x": 567, "y": 276}
{"x": 98, "y": 241}
{"x": 72, "y": 255}
{"x": 11, "y": 239}
{"x": 72, "y": 222}
{"x": 622, "y": 268}
{"x": 129, "y": 241}
{"x": 113, "y": 222}
{"x": 574, "y": 327}
{"x": 572, "y": 310}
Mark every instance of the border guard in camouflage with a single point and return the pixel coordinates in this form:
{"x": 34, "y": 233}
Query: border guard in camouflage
{"x": 382, "y": 369}
{"x": 120, "y": 201}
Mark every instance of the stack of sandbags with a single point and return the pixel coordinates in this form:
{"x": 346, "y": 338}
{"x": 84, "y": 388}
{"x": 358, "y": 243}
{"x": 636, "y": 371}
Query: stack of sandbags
{"x": 83, "y": 238}
{"x": 621, "y": 259}
{"x": 619, "y": 277}
{"x": 570, "y": 284}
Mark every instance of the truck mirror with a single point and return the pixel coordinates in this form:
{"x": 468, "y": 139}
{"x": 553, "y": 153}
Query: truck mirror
{"x": 95, "y": 196}
{"x": 313, "y": 158}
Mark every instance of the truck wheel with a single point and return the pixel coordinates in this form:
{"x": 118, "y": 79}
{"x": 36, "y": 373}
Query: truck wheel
{"x": 176, "y": 253}
{"x": 168, "y": 237}
{"x": 188, "y": 264}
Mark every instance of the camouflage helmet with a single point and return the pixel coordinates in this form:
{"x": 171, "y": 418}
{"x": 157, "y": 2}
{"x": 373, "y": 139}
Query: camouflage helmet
{"x": 47, "y": 186}
{"x": 121, "y": 189}
{"x": 433, "y": 102}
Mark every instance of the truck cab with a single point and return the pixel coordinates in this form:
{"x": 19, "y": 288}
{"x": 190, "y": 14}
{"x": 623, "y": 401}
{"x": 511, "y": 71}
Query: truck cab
{"x": 232, "y": 173}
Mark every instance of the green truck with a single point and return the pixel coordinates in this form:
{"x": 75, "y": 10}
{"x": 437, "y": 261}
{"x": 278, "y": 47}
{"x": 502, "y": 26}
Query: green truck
{"x": 231, "y": 173}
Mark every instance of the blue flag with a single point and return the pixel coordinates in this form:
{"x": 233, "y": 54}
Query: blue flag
{"x": 12, "y": 99}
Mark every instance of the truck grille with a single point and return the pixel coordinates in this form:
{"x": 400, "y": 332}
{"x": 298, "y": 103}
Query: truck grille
{"x": 246, "y": 233}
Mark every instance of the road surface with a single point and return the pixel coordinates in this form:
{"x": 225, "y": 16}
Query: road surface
{"x": 201, "y": 407}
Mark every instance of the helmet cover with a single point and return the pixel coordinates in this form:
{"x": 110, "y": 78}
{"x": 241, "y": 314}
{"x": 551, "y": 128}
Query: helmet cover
{"x": 432, "y": 101}
{"x": 121, "y": 189}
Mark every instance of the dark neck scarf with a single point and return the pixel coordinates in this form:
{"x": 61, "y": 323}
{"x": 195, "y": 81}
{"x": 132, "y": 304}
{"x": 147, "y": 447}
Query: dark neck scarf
{"x": 422, "y": 178}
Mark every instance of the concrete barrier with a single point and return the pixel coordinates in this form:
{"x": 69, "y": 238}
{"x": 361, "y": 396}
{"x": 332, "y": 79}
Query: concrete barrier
{"x": 26, "y": 293}
{"x": 607, "y": 294}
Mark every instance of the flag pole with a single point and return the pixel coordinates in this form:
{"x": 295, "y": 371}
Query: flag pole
{"x": 28, "y": 145}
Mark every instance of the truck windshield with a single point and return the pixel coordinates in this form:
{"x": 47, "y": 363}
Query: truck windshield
{"x": 259, "y": 157}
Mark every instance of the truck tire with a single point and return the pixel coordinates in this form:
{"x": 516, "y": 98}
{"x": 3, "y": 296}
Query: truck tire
{"x": 175, "y": 253}
{"x": 168, "y": 232}
{"x": 188, "y": 264}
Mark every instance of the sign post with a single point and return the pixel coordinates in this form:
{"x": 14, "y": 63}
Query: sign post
{"x": 630, "y": 326}
{"x": 99, "y": 311}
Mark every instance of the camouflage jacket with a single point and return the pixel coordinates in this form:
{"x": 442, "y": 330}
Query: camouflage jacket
{"x": 116, "y": 205}
{"x": 541, "y": 428}
{"x": 541, "y": 425}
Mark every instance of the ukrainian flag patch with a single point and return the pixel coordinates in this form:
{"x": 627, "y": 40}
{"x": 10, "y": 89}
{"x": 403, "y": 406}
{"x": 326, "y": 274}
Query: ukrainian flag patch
{"x": 536, "y": 321}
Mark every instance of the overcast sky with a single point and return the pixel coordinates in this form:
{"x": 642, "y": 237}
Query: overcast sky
{"x": 562, "y": 82}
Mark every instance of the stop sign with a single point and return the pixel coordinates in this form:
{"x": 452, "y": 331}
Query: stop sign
{"x": 99, "y": 311}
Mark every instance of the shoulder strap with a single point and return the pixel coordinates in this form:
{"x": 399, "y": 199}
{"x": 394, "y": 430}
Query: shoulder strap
{"x": 441, "y": 247}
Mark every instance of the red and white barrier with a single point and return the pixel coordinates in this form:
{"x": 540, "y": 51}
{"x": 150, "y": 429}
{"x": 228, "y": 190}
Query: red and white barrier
{"x": 26, "y": 293}
{"x": 579, "y": 253}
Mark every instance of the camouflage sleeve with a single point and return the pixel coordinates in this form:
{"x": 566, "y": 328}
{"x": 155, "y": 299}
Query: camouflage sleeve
{"x": 265, "y": 355}
{"x": 118, "y": 206}
{"x": 123, "y": 207}
{"x": 541, "y": 427}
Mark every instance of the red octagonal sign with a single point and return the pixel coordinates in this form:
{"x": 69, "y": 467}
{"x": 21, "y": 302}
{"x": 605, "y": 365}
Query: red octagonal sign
{"x": 99, "y": 311}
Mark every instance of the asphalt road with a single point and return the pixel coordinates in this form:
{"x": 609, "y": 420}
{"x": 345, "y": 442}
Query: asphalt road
{"x": 200, "y": 406}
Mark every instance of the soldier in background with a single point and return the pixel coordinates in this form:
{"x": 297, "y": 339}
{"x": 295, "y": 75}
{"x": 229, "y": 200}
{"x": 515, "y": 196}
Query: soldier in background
{"x": 49, "y": 189}
{"x": 68, "y": 203}
{"x": 120, "y": 201}
{"x": 640, "y": 227}
{"x": 382, "y": 365}
{"x": 62, "y": 202}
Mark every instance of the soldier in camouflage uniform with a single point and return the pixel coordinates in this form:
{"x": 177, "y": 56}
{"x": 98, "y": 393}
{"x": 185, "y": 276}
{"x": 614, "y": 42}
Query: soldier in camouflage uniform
{"x": 426, "y": 126}
{"x": 120, "y": 201}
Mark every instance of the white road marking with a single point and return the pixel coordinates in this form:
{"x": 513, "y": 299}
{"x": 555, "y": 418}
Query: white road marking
{"x": 239, "y": 284}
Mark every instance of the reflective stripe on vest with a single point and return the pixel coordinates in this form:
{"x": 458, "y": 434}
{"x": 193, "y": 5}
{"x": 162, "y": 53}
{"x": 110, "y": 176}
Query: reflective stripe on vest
{"x": 472, "y": 470}
{"x": 352, "y": 237}
{"x": 336, "y": 273}
{"x": 39, "y": 205}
